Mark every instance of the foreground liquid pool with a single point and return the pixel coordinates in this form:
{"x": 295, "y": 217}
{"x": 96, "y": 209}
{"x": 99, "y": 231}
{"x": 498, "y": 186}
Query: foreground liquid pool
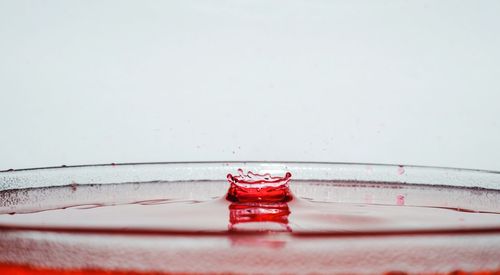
{"x": 186, "y": 218}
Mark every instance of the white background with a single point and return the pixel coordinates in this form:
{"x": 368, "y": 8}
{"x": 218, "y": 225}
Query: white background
{"x": 404, "y": 82}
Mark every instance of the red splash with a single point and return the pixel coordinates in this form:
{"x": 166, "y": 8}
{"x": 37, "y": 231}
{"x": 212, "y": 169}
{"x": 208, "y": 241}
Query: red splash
{"x": 253, "y": 187}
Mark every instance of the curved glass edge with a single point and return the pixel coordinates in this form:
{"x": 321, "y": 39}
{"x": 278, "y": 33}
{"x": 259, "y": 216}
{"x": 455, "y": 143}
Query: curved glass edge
{"x": 210, "y": 171}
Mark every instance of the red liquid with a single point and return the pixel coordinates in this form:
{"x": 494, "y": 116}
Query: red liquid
{"x": 254, "y": 187}
{"x": 22, "y": 270}
{"x": 165, "y": 228}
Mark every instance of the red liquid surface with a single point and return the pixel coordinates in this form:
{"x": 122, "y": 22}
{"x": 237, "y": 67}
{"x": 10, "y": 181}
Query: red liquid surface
{"x": 22, "y": 270}
{"x": 165, "y": 228}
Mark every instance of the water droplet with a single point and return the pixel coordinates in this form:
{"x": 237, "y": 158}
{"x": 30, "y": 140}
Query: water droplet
{"x": 400, "y": 200}
{"x": 401, "y": 170}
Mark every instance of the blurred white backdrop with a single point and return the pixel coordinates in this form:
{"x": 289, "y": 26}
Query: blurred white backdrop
{"x": 403, "y": 82}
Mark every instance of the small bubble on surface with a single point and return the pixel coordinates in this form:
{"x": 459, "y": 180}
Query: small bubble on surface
{"x": 73, "y": 186}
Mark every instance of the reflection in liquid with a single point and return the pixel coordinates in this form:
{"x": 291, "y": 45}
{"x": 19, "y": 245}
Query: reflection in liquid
{"x": 259, "y": 216}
